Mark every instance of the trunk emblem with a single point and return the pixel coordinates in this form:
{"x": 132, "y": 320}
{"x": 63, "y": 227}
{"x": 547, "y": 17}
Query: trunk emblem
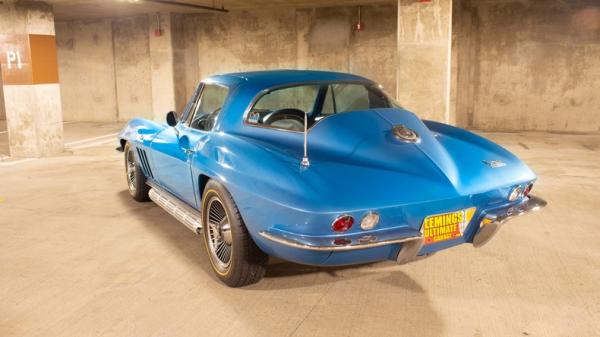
{"x": 405, "y": 134}
{"x": 494, "y": 163}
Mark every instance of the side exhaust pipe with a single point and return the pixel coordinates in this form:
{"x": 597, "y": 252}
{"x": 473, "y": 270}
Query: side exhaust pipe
{"x": 409, "y": 251}
{"x": 491, "y": 223}
{"x": 185, "y": 214}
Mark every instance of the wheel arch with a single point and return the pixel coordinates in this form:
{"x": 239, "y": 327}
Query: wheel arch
{"x": 202, "y": 181}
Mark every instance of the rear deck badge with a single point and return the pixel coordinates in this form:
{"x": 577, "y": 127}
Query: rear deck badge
{"x": 494, "y": 163}
{"x": 405, "y": 134}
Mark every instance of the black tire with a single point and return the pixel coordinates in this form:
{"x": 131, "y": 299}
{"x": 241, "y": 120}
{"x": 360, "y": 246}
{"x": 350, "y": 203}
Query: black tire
{"x": 136, "y": 181}
{"x": 245, "y": 263}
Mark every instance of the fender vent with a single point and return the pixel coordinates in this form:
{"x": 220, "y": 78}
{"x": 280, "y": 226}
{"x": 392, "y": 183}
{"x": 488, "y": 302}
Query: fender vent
{"x": 145, "y": 164}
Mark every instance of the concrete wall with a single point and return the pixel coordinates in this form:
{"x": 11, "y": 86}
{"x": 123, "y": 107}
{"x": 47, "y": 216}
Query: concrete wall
{"x": 162, "y": 68}
{"x": 108, "y": 66}
{"x": 105, "y": 69}
{"x": 2, "y": 110}
{"x": 180, "y": 61}
{"x": 240, "y": 41}
{"x": 514, "y": 64}
{"x": 321, "y": 38}
{"x": 528, "y": 65}
{"x": 87, "y": 70}
{"x": 132, "y": 67}
{"x": 423, "y": 68}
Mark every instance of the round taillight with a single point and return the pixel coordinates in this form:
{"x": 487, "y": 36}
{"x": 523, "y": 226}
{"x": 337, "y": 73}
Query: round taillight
{"x": 342, "y": 223}
{"x": 527, "y": 190}
{"x": 369, "y": 221}
{"x": 515, "y": 193}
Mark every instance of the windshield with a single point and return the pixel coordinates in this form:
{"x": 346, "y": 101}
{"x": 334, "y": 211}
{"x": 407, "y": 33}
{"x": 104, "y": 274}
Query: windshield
{"x": 285, "y": 108}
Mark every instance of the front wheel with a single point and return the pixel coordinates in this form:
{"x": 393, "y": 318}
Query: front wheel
{"x": 233, "y": 255}
{"x": 136, "y": 181}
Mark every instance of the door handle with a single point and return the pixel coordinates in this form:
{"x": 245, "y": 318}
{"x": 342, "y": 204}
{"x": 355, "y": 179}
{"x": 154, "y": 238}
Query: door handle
{"x": 189, "y": 151}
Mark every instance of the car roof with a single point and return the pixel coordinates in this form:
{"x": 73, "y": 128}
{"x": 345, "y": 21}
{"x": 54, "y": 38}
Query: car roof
{"x": 273, "y": 78}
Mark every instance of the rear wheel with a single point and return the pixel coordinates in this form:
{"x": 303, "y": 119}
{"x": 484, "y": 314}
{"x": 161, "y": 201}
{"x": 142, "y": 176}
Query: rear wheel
{"x": 136, "y": 181}
{"x": 233, "y": 255}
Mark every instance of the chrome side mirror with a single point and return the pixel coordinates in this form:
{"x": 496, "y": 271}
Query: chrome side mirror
{"x": 171, "y": 118}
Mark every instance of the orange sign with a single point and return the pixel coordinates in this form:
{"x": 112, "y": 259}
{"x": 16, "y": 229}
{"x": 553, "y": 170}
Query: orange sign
{"x": 28, "y": 59}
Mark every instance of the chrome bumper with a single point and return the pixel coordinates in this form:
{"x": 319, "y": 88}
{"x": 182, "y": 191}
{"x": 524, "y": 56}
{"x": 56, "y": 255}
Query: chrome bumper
{"x": 333, "y": 248}
{"x": 491, "y": 223}
{"x": 411, "y": 244}
{"x": 408, "y": 252}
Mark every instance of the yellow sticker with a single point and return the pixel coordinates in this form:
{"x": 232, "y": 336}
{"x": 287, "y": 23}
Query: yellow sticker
{"x": 447, "y": 226}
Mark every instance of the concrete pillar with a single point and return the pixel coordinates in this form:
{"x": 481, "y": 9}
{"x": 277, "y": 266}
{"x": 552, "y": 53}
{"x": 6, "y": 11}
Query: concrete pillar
{"x": 2, "y": 112}
{"x": 30, "y": 85}
{"x": 424, "y": 58}
{"x": 166, "y": 59}
{"x": 190, "y": 54}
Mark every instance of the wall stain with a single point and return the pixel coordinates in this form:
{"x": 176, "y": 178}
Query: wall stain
{"x": 533, "y": 65}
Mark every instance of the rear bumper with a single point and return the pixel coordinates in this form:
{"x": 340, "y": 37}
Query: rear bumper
{"x": 402, "y": 244}
{"x": 491, "y": 222}
{"x": 410, "y": 244}
{"x": 363, "y": 243}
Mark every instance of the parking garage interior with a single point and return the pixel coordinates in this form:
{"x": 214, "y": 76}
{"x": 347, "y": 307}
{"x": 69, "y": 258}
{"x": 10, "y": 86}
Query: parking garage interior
{"x": 79, "y": 257}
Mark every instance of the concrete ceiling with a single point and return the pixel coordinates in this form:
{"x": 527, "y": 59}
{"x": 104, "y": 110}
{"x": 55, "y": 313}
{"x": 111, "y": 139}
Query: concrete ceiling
{"x": 81, "y": 9}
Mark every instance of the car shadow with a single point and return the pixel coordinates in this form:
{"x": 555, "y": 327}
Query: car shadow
{"x": 279, "y": 274}
{"x": 285, "y": 275}
{"x": 163, "y": 226}
{"x": 381, "y": 278}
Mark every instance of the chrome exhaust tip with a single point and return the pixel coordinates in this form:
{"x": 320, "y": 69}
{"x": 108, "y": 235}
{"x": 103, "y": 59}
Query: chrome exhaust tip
{"x": 409, "y": 251}
{"x": 491, "y": 223}
{"x": 488, "y": 227}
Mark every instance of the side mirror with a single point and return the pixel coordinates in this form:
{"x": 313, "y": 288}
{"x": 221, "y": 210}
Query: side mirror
{"x": 171, "y": 118}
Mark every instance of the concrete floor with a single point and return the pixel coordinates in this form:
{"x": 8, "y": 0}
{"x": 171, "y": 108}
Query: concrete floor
{"x": 79, "y": 257}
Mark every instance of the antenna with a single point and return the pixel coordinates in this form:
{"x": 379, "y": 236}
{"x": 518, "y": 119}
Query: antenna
{"x": 305, "y": 162}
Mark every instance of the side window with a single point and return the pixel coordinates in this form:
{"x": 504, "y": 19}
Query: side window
{"x": 189, "y": 107}
{"x": 350, "y": 97}
{"x": 208, "y": 107}
{"x": 328, "y": 104}
{"x": 284, "y": 108}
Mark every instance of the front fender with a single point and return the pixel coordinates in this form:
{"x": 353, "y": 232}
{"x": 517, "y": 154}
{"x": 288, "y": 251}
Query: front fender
{"x": 140, "y": 131}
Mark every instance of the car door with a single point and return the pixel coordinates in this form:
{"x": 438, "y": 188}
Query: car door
{"x": 174, "y": 147}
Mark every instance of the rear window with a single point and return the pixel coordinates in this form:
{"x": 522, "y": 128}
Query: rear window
{"x": 286, "y": 108}
{"x": 301, "y": 97}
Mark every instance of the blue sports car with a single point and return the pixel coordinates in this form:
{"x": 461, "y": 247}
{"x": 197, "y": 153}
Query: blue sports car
{"x": 319, "y": 168}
